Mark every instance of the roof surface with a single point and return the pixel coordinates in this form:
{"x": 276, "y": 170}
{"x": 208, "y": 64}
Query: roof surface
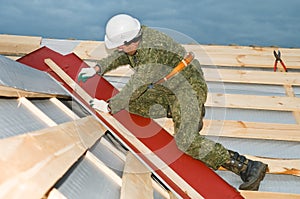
{"x": 257, "y": 114}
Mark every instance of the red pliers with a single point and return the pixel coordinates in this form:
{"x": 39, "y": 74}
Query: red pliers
{"x": 278, "y": 59}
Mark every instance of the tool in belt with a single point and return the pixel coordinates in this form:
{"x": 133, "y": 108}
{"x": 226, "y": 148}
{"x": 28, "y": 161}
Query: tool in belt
{"x": 180, "y": 66}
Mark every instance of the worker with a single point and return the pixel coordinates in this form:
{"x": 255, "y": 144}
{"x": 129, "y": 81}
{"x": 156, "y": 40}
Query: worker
{"x": 153, "y": 55}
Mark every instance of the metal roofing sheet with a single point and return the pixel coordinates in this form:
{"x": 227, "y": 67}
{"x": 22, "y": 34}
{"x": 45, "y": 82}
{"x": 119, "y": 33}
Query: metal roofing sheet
{"x": 85, "y": 180}
{"x": 109, "y": 158}
{"x": 17, "y": 75}
{"x": 52, "y": 111}
{"x": 250, "y": 115}
{"x": 15, "y": 119}
{"x": 245, "y": 89}
{"x": 261, "y": 148}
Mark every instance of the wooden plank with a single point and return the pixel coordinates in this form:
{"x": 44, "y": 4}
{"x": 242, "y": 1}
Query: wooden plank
{"x": 251, "y": 77}
{"x": 18, "y": 45}
{"x": 127, "y": 134}
{"x": 243, "y": 129}
{"x": 275, "y": 103}
{"x": 239, "y": 56}
{"x": 64, "y": 108}
{"x": 36, "y": 111}
{"x": 55, "y": 150}
{"x": 55, "y": 194}
{"x": 136, "y": 180}
{"x": 90, "y": 49}
{"x": 242, "y": 56}
{"x": 290, "y": 92}
{"x": 121, "y": 155}
{"x": 268, "y": 195}
{"x": 252, "y": 130}
{"x": 6, "y": 91}
{"x": 280, "y": 166}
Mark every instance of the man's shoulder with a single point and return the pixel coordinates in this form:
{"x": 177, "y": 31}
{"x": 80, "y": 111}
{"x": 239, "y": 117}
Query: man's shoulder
{"x": 153, "y": 38}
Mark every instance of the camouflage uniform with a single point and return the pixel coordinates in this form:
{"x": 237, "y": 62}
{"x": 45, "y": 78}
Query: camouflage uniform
{"x": 183, "y": 95}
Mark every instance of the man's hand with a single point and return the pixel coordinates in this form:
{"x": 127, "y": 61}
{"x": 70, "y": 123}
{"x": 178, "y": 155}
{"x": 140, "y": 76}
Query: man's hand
{"x": 100, "y": 105}
{"x": 85, "y": 74}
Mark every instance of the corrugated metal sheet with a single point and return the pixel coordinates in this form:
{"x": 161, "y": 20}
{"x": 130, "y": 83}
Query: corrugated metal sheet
{"x": 245, "y": 89}
{"x": 250, "y": 115}
{"x": 262, "y": 148}
{"x": 85, "y": 180}
{"x": 17, "y": 75}
{"x": 109, "y": 158}
{"x": 15, "y": 119}
{"x": 52, "y": 111}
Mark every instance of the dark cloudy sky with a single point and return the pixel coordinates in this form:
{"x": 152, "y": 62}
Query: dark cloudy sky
{"x": 242, "y": 22}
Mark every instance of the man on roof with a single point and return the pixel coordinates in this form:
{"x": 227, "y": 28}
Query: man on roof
{"x": 153, "y": 56}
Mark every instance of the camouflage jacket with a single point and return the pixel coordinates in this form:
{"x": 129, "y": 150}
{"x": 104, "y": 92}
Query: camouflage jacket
{"x": 156, "y": 56}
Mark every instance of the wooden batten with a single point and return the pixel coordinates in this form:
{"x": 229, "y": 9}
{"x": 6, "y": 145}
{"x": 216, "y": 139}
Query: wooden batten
{"x": 251, "y": 77}
{"x": 239, "y": 56}
{"x": 242, "y": 129}
{"x": 6, "y": 91}
{"x": 33, "y": 162}
{"x": 18, "y": 45}
{"x": 136, "y": 180}
{"x": 268, "y": 195}
{"x": 275, "y": 103}
{"x": 36, "y": 111}
{"x": 244, "y": 56}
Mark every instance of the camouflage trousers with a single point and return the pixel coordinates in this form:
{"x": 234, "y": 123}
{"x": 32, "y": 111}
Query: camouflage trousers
{"x": 187, "y": 113}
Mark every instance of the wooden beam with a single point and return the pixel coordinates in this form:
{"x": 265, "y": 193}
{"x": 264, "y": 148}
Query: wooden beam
{"x": 243, "y": 56}
{"x": 136, "y": 180}
{"x": 18, "y": 45}
{"x": 121, "y": 155}
{"x": 64, "y": 108}
{"x": 251, "y": 77}
{"x": 6, "y": 91}
{"x": 239, "y": 56}
{"x": 33, "y": 162}
{"x": 36, "y": 111}
{"x": 280, "y": 166}
{"x": 90, "y": 49}
{"x": 127, "y": 134}
{"x": 252, "y": 130}
{"x": 268, "y": 195}
{"x": 290, "y": 92}
{"x": 275, "y": 103}
{"x": 55, "y": 194}
{"x": 242, "y": 129}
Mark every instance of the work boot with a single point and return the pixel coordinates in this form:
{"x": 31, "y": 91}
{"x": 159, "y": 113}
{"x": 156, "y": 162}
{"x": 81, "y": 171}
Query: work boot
{"x": 251, "y": 172}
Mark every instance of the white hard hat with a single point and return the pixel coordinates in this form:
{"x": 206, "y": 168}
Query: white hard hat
{"x": 119, "y": 29}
